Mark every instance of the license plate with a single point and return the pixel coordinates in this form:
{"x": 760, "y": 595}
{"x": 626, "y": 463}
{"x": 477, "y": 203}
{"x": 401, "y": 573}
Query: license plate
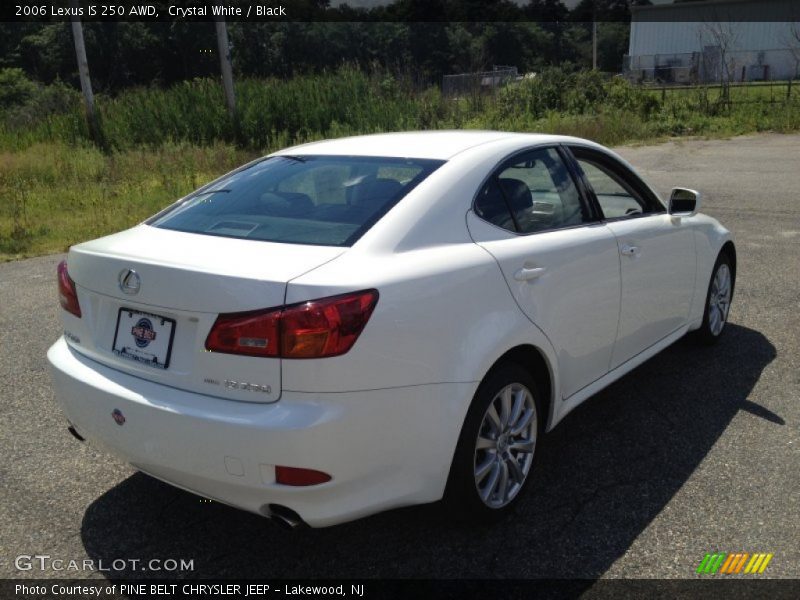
{"x": 144, "y": 337}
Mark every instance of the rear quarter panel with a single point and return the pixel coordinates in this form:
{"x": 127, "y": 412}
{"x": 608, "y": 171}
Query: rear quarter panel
{"x": 444, "y": 315}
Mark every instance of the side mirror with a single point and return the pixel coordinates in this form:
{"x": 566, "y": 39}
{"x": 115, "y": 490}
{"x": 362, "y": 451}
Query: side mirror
{"x": 684, "y": 202}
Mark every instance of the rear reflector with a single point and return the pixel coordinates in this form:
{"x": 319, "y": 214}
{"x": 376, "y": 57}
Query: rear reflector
{"x": 300, "y": 477}
{"x": 315, "y": 329}
{"x": 67, "y": 295}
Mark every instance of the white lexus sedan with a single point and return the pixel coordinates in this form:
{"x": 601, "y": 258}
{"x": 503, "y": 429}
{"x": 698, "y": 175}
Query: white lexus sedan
{"x": 353, "y": 325}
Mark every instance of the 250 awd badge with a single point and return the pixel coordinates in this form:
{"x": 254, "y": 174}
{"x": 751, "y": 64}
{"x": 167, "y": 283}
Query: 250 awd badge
{"x": 241, "y": 385}
{"x": 245, "y": 386}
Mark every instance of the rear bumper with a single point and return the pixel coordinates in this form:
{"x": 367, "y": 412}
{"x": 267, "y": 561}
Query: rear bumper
{"x": 384, "y": 448}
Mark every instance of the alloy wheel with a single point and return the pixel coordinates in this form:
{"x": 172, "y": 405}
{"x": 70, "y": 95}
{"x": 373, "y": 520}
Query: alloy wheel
{"x": 505, "y": 445}
{"x": 719, "y": 299}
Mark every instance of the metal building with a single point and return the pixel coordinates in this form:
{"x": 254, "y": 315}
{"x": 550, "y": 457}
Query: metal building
{"x": 715, "y": 40}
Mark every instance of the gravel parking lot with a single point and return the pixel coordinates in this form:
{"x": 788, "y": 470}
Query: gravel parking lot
{"x": 696, "y": 451}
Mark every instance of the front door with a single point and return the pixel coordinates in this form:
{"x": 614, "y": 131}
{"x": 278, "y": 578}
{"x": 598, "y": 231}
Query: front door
{"x": 657, "y": 253}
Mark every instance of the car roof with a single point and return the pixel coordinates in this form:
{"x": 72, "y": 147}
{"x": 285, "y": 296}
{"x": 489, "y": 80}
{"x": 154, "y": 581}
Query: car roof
{"x": 439, "y": 145}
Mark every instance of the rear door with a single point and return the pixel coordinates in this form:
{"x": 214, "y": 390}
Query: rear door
{"x": 561, "y": 263}
{"x": 657, "y": 253}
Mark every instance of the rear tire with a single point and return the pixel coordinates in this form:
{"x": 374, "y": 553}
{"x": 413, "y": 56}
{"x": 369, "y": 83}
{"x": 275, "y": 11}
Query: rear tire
{"x": 718, "y": 302}
{"x": 495, "y": 453}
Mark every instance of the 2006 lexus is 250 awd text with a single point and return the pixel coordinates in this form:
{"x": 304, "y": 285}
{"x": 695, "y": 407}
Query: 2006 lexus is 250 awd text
{"x": 353, "y": 325}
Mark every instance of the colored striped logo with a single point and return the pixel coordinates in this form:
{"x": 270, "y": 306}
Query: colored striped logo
{"x": 722, "y": 563}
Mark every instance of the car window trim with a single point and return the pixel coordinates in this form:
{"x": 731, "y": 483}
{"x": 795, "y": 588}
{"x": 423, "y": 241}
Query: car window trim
{"x": 495, "y": 178}
{"x": 587, "y": 194}
{"x": 515, "y": 156}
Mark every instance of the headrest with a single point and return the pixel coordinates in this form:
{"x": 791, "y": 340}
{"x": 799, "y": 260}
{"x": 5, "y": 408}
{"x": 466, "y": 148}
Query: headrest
{"x": 517, "y": 192}
{"x": 377, "y": 189}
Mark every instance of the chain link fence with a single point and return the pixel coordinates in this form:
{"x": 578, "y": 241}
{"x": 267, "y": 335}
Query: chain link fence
{"x": 464, "y": 84}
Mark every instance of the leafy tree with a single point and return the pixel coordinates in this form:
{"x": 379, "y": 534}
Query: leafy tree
{"x": 422, "y": 39}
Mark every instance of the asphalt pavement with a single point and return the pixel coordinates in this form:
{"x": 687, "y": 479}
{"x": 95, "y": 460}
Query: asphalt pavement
{"x": 696, "y": 451}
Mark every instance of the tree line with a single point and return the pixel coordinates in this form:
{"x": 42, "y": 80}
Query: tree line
{"x": 424, "y": 39}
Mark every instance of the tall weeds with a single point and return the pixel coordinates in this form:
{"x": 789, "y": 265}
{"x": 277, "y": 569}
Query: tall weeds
{"x": 57, "y": 189}
{"x": 274, "y": 113}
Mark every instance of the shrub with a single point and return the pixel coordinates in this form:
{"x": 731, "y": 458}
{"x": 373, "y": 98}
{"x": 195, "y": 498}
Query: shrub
{"x": 273, "y": 113}
{"x": 15, "y": 88}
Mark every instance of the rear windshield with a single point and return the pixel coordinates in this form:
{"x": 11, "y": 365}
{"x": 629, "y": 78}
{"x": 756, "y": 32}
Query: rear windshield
{"x": 320, "y": 200}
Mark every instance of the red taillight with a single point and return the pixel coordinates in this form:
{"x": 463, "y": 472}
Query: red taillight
{"x": 67, "y": 295}
{"x": 251, "y": 333}
{"x": 300, "y": 477}
{"x": 327, "y": 327}
{"x": 315, "y": 329}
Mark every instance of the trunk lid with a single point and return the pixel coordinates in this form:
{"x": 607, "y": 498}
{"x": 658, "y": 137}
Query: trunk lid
{"x": 157, "y": 325}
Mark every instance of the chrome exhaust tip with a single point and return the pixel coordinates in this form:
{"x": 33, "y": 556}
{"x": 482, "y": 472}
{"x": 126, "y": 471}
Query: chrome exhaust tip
{"x": 284, "y": 517}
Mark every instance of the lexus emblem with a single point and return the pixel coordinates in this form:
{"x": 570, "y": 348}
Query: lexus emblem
{"x": 129, "y": 281}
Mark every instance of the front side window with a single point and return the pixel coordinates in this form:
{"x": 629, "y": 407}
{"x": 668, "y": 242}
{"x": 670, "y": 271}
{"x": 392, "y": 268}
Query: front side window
{"x": 532, "y": 193}
{"x": 318, "y": 200}
{"x": 619, "y": 193}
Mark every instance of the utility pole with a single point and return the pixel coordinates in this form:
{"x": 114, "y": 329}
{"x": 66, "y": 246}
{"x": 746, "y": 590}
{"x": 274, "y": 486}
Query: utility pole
{"x": 225, "y": 66}
{"x": 83, "y": 72}
{"x": 594, "y": 37}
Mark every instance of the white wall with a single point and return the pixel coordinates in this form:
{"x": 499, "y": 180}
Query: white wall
{"x": 754, "y": 43}
{"x": 674, "y": 38}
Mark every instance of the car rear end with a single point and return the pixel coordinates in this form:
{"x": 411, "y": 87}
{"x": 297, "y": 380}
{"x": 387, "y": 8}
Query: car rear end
{"x": 318, "y": 458}
{"x": 175, "y": 333}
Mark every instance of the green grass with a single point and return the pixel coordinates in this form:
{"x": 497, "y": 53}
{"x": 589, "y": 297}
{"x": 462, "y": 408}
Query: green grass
{"x": 57, "y": 188}
{"x": 53, "y": 195}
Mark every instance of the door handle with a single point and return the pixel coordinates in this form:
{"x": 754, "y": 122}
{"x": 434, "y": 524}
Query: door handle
{"x": 527, "y": 274}
{"x": 628, "y": 250}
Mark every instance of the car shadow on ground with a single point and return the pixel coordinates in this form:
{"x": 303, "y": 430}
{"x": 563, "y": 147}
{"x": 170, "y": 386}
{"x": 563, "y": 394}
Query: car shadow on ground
{"x": 602, "y": 477}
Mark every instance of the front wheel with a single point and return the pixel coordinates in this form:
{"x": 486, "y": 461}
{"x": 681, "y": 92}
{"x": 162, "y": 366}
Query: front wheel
{"x": 496, "y": 449}
{"x": 718, "y": 301}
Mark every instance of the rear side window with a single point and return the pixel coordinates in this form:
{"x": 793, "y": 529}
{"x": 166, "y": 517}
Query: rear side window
{"x": 317, "y": 200}
{"x": 533, "y": 192}
{"x": 491, "y": 206}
